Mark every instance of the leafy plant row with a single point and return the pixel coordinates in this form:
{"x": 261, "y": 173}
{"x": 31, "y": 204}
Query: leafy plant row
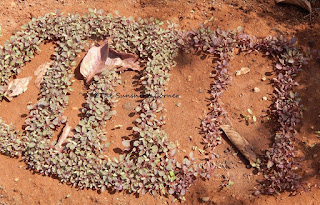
{"x": 149, "y": 164}
{"x": 280, "y": 166}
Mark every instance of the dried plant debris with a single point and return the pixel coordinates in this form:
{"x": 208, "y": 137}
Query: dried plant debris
{"x": 243, "y": 71}
{"x": 301, "y": 3}
{"x": 103, "y": 58}
{"x": 17, "y": 87}
{"x": 65, "y": 134}
{"x": 39, "y": 73}
{"x": 240, "y": 143}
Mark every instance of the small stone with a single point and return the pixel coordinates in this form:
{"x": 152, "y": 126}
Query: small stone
{"x": 178, "y": 104}
{"x": 200, "y": 90}
{"x": 16, "y": 179}
{"x": 189, "y": 78}
{"x": 263, "y": 78}
{"x": 205, "y": 199}
{"x": 315, "y": 156}
{"x": 256, "y": 90}
{"x": 242, "y": 71}
{"x": 264, "y": 98}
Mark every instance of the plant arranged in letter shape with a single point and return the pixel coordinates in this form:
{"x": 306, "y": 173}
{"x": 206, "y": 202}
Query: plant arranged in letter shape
{"x": 148, "y": 164}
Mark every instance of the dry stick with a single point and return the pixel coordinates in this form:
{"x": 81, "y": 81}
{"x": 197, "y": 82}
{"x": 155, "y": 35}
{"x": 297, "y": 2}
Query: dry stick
{"x": 240, "y": 143}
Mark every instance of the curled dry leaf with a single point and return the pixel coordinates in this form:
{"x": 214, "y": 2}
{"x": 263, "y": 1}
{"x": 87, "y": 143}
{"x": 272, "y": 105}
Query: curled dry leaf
{"x": 240, "y": 143}
{"x": 301, "y": 3}
{"x": 103, "y": 58}
{"x": 63, "y": 137}
{"x": 16, "y": 87}
{"x": 39, "y": 73}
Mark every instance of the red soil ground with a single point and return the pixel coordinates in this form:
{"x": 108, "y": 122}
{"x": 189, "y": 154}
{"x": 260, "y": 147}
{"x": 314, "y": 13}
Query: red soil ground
{"x": 190, "y": 79}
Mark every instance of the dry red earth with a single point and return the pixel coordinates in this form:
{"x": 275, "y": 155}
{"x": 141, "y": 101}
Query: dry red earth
{"x": 190, "y": 79}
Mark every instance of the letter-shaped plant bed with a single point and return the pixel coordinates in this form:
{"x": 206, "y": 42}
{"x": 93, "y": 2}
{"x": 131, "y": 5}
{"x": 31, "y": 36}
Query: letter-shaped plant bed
{"x": 148, "y": 163}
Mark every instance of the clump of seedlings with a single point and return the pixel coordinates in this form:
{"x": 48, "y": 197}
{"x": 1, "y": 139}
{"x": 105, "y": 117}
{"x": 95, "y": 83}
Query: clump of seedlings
{"x": 148, "y": 164}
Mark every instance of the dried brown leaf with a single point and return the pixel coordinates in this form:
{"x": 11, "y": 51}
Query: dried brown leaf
{"x": 16, "y": 87}
{"x": 240, "y": 143}
{"x": 103, "y": 58}
{"x": 301, "y": 3}
{"x": 65, "y": 133}
{"x": 39, "y": 73}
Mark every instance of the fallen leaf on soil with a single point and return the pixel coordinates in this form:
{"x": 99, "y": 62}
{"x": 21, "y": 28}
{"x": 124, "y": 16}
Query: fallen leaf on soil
{"x": 16, "y": 87}
{"x": 39, "y": 73}
{"x": 103, "y": 58}
{"x": 240, "y": 143}
{"x": 301, "y": 3}
{"x": 63, "y": 137}
{"x": 243, "y": 71}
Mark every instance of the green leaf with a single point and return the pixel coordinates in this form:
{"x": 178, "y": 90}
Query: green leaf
{"x": 154, "y": 149}
{"x": 136, "y": 129}
{"x": 126, "y": 143}
{"x": 74, "y": 63}
{"x": 292, "y": 95}
{"x": 254, "y": 118}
